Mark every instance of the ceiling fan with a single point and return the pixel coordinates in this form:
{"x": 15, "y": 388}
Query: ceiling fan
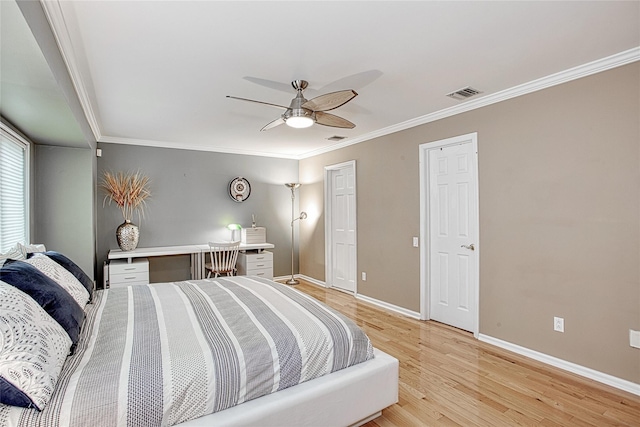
{"x": 302, "y": 113}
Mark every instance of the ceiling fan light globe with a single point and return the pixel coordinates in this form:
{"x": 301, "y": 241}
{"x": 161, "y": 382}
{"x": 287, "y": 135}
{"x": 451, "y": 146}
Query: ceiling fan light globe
{"x": 299, "y": 122}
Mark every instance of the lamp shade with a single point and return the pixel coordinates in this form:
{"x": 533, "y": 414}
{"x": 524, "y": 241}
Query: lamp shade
{"x": 234, "y": 227}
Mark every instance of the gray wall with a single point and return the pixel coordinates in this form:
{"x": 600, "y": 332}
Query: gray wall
{"x": 189, "y": 202}
{"x": 559, "y": 173}
{"x": 62, "y": 202}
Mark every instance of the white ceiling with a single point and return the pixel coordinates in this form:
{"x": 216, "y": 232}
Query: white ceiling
{"x": 157, "y": 72}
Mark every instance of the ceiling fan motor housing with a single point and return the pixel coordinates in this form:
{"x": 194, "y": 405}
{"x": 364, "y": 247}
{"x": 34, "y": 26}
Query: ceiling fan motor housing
{"x": 295, "y": 108}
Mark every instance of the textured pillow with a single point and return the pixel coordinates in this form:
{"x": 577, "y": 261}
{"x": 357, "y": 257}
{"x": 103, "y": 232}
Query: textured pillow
{"x": 33, "y": 348}
{"x": 74, "y": 269}
{"x": 29, "y": 249}
{"x": 13, "y": 253}
{"x": 61, "y": 276}
{"x": 55, "y": 300}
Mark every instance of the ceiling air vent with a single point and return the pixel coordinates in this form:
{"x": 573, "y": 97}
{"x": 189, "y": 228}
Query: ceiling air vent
{"x": 336, "y": 138}
{"x": 464, "y": 93}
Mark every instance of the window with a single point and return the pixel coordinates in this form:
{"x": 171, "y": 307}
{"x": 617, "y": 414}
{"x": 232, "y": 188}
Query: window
{"x": 14, "y": 195}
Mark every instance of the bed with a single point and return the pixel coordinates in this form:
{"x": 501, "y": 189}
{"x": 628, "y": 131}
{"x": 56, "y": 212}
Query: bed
{"x": 235, "y": 351}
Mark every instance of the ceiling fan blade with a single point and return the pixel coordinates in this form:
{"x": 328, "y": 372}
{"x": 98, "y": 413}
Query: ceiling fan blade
{"x": 271, "y": 125}
{"x": 356, "y": 81}
{"x": 258, "y": 102}
{"x": 327, "y": 119}
{"x": 330, "y": 101}
{"x": 270, "y": 84}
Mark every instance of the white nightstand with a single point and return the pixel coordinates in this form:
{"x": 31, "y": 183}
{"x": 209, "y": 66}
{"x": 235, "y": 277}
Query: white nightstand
{"x": 255, "y": 264}
{"x": 123, "y": 273}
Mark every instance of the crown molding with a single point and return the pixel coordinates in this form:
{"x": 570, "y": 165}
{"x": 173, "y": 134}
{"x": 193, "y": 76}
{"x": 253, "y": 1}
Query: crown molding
{"x": 613, "y": 61}
{"x": 53, "y": 13}
{"x": 180, "y": 146}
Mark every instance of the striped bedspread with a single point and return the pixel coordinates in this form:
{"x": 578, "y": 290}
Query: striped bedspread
{"x": 166, "y": 353}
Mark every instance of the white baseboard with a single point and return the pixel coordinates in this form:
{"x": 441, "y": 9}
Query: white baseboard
{"x": 388, "y": 306}
{"x": 311, "y": 280}
{"x": 592, "y": 374}
{"x": 381, "y": 304}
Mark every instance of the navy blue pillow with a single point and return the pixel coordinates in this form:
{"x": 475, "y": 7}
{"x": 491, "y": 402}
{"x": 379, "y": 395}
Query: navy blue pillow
{"x": 72, "y": 268}
{"x": 52, "y": 297}
{"x": 11, "y": 395}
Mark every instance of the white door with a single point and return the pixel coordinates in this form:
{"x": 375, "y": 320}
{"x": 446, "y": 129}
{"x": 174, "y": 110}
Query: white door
{"x": 453, "y": 232}
{"x": 341, "y": 218}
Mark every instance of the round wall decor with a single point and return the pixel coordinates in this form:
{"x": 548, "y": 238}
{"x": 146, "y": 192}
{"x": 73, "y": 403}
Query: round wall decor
{"x": 239, "y": 189}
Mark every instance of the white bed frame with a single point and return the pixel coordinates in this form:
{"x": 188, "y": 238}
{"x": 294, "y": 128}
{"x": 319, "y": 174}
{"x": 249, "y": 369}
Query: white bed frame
{"x": 349, "y": 397}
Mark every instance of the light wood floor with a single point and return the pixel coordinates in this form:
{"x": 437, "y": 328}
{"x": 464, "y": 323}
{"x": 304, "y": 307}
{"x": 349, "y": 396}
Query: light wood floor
{"x": 448, "y": 378}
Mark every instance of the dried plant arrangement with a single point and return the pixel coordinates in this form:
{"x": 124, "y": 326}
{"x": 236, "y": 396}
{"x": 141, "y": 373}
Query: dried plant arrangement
{"x": 127, "y": 190}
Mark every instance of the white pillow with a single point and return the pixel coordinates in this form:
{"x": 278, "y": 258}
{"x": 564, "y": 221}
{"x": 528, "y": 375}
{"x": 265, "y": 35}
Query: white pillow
{"x": 33, "y": 349}
{"x": 14, "y": 253}
{"x": 30, "y": 249}
{"x": 61, "y": 276}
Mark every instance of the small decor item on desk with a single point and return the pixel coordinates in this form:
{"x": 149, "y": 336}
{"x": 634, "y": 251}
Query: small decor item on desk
{"x": 129, "y": 191}
{"x": 253, "y": 235}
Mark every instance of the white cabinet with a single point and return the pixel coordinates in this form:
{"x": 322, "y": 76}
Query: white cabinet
{"x": 123, "y": 273}
{"x": 255, "y": 264}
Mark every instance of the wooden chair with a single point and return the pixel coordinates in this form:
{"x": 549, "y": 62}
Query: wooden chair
{"x": 223, "y": 258}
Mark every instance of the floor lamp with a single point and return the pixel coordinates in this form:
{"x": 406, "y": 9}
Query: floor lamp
{"x": 303, "y": 215}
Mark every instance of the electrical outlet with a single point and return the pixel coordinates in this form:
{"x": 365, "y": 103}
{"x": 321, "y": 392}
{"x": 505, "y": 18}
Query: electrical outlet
{"x": 634, "y": 338}
{"x": 415, "y": 242}
{"x": 364, "y": 276}
{"x": 558, "y": 324}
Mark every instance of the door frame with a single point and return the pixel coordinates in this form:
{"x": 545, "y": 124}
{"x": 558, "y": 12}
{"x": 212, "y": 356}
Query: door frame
{"x": 328, "y": 235}
{"x": 425, "y": 236}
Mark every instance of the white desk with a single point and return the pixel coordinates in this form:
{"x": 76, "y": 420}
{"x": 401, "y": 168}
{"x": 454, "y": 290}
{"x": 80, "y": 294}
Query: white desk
{"x": 197, "y": 253}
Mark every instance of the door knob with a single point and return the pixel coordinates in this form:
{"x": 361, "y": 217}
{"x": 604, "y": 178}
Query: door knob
{"x": 470, "y": 247}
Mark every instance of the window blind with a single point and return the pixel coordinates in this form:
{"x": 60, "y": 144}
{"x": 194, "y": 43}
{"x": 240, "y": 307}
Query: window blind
{"x": 13, "y": 191}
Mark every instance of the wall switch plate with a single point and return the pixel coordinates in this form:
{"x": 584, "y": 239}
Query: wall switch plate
{"x": 415, "y": 242}
{"x": 558, "y": 324}
{"x": 634, "y": 338}
{"x": 364, "y": 276}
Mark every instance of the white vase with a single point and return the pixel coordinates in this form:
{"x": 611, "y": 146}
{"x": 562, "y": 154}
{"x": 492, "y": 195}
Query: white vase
{"x": 127, "y": 235}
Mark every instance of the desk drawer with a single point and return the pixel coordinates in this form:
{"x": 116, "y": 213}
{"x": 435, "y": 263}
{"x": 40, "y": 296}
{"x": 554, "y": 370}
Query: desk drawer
{"x": 259, "y": 264}
{"x": 267, "y": 273}
{"x": 249, "y": 257}
{"x": 121, "y": 266}
{"x": 129, "y": 278}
